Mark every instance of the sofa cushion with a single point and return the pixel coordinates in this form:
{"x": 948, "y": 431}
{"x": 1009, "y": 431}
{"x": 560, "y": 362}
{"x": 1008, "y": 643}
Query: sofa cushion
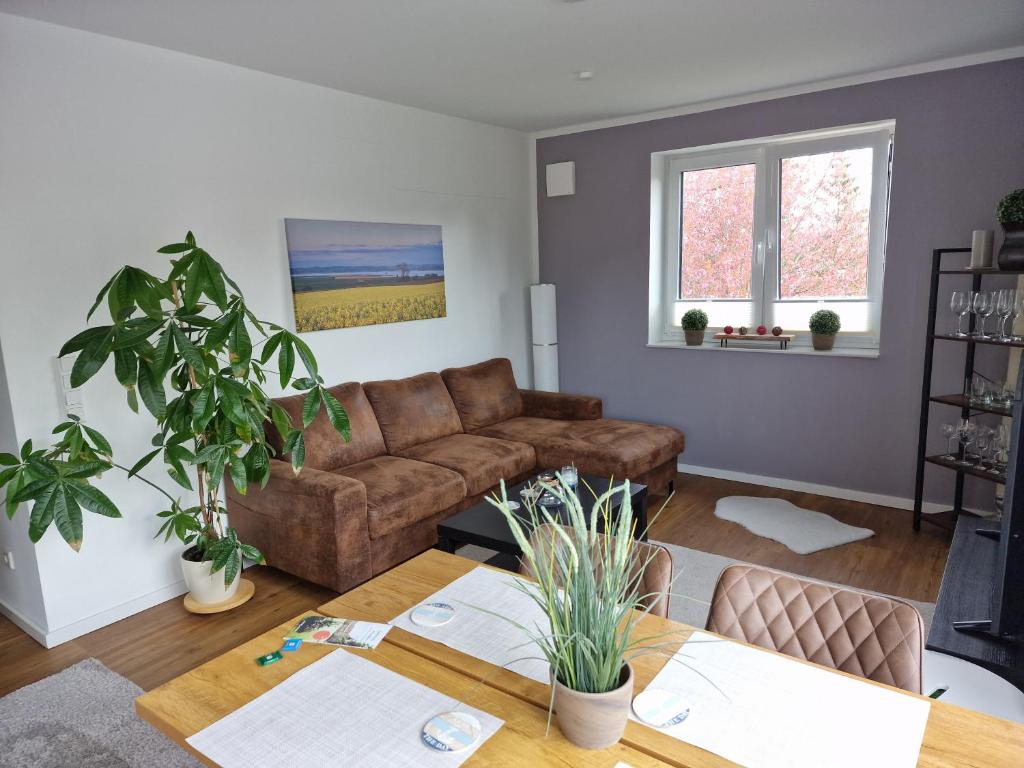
{"x": 413, "y": 411}
{"x": 624, "y": 449}
{"x": 400, "y": 491}
{"x": 482, "y": 461}
{"x": 603, "y": 447}
{"x": 325, "y": 449}
{"x": 485, "y": 393}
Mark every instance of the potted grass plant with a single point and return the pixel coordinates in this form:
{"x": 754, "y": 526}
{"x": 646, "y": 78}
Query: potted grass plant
{"x": 824, "y": 325}
{"x": 190, "y": 332}
{"x": 695, "y": 322}
{"x": 587, "y": 585}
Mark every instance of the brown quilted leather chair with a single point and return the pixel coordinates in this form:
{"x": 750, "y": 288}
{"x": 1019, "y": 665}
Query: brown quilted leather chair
{"x": 875, "y": 637}
{"x": 656, "y": 578}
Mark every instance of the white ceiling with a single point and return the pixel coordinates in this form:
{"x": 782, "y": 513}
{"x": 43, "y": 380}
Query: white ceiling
{"x": 513, "y": 62}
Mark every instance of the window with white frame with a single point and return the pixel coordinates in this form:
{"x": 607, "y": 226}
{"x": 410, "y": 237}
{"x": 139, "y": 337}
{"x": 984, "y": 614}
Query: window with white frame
{"x": 765, "y": 232}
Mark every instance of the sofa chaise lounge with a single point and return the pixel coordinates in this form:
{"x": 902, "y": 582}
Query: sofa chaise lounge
{"x": 422, "y": 449}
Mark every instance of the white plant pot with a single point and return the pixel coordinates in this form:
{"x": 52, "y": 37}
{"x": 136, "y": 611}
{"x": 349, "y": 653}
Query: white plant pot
{"x": 207, "y": 588}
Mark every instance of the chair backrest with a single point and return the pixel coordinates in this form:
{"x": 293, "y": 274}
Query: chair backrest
{"x": 655, "y": 581}
{"x": 868, "y": 635}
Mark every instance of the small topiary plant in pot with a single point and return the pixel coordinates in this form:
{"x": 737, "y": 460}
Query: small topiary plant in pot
{"x": 824, "y": 325}
{"x": 1010, "y": 212}
{"x": 695, "y": 322}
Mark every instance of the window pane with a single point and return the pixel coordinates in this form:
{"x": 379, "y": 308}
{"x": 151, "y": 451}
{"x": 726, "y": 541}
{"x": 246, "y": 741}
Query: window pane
{"x": 824, "y": 226}
{"x": 717, "y": 232}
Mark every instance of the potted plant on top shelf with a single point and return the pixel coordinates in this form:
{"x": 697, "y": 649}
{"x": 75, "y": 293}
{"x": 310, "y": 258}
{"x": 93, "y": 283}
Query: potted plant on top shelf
{"x": 1010, "y": 212}
{"x": 695, "y": 322}
{"x": 588, "y": 586}
{"x": 824, "y": 325}
{"x": 192, "y": 331}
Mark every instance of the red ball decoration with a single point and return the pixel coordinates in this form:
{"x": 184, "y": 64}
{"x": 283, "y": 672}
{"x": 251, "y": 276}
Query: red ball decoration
{"x": 761, "y": 330}
{"x": 728, "y": 329}
{"x": 777, "y": 330}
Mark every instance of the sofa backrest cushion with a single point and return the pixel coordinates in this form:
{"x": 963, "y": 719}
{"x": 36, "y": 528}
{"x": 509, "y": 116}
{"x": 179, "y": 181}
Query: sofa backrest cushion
{"x": 485, "y": 393}
{"x": 325, "y": 448}
{"x": 413, "y": 411}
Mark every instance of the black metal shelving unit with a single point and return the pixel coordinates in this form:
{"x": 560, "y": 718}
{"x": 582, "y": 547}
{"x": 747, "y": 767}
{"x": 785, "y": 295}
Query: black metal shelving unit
{"x": 947, "y": 519}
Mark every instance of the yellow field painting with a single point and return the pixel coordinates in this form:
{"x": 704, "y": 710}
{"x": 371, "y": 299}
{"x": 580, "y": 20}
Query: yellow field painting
{"x": 351, "y": 307}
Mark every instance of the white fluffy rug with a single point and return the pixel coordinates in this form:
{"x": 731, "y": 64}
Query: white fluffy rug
{"x": 802, "y": 530}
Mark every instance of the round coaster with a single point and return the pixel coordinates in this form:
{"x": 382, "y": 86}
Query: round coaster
{"x": 432, "y": 614}
{"x": 660, "y": 708}
{"x": 451, "y": 731}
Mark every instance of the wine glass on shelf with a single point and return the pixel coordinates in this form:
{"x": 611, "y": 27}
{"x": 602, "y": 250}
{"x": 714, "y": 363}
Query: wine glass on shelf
{"x": 1018, "y": 310}
{"x": 967, "y": 430}
{"x": 984, "y": 442}
{"x": 1006, "y": 298}
{"x": 959, "y": 305}
{"x": 951, "y": 433}
{"x": 987, "y": 305}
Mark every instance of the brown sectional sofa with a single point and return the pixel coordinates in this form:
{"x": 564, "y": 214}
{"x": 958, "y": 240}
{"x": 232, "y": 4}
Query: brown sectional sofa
{"x": 422, "y": 449}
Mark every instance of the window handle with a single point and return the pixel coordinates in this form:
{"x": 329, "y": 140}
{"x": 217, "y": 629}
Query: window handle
{"x": 760, "y": 252}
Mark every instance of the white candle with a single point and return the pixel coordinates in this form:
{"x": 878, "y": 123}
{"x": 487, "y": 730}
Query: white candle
{"x": 981, "y": 249}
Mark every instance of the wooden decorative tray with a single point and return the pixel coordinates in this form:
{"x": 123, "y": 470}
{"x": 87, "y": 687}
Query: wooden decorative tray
{"x": 782, "y": 339}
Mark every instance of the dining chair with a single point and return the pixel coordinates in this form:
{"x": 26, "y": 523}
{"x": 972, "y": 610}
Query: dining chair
{"x": 876, "y": 637}
{"x": 655, "y": 581}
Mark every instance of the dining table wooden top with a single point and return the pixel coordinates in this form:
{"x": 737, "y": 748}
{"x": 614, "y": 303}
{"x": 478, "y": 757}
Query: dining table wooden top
{"x": 187, "y": 704}
{"x": 953, "y": 736}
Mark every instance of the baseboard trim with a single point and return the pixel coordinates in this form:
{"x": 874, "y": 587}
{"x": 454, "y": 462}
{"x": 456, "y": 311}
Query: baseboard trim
{"x": 848, "y": 494}
{"x": 26, "y": 625}
{"x": 110, "y": 615}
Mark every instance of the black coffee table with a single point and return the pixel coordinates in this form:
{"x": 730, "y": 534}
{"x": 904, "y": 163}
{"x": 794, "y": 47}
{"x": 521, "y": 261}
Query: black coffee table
{"x": 485, "y": 526}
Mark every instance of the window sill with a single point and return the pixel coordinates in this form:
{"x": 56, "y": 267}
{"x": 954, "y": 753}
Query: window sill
{"x": 713, "y": 346}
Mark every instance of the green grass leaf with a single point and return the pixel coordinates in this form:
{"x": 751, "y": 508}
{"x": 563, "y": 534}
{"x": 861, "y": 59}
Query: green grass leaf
{"x": 286, "y": 361}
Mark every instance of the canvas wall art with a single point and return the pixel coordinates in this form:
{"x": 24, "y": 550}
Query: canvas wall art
{"x": 351, "y": 273}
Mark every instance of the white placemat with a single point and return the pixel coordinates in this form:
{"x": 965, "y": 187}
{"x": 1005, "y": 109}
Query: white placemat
{"x": 342, "y": 710}
{"x": 781, "y": 713}
{"x": 482, "y": 634}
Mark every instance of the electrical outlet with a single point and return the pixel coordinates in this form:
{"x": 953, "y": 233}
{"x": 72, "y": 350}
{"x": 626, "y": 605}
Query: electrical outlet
{"x": 8, "y": 559}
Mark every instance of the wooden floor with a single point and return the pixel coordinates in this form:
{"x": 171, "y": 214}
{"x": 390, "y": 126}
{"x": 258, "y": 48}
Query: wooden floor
{"x": 166, "y": 641}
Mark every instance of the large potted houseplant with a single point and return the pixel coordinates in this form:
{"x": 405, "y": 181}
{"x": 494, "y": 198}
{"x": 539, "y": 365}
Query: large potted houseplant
{"x": 695, "y": 322}
{"x": 587, "y": 585}
{"x": 1010, "y": 212}
{"x": 824, "y": 325}
{"x": 193, "y": 332}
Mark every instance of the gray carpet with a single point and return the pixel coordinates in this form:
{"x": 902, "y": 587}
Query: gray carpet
{"x": 83, "y": 717}
{"x": 696, "y": 574}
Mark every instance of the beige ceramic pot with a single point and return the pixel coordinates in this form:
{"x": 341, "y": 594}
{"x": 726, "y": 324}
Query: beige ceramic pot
{"x": 594, "y": 720}
{"x": 207, "y": 588}
{"x": 694, "y": 338}
{"x": 822, "y": 341}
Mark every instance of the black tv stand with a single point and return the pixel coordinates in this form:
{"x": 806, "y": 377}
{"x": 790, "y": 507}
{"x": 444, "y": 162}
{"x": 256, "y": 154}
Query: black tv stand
{"x": 966, "y": 591}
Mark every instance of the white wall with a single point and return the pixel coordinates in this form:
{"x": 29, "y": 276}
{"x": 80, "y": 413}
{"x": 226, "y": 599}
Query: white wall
{"x": 109, "y": 149}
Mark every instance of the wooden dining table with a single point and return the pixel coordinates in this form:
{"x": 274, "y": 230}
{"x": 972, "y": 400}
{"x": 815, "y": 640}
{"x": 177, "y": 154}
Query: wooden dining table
{"x": 953, "y": 736}
{"x": 189, "y": 703}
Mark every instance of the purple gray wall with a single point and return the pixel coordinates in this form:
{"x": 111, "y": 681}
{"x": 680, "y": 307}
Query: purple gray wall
{"x": 845, "y": 422}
